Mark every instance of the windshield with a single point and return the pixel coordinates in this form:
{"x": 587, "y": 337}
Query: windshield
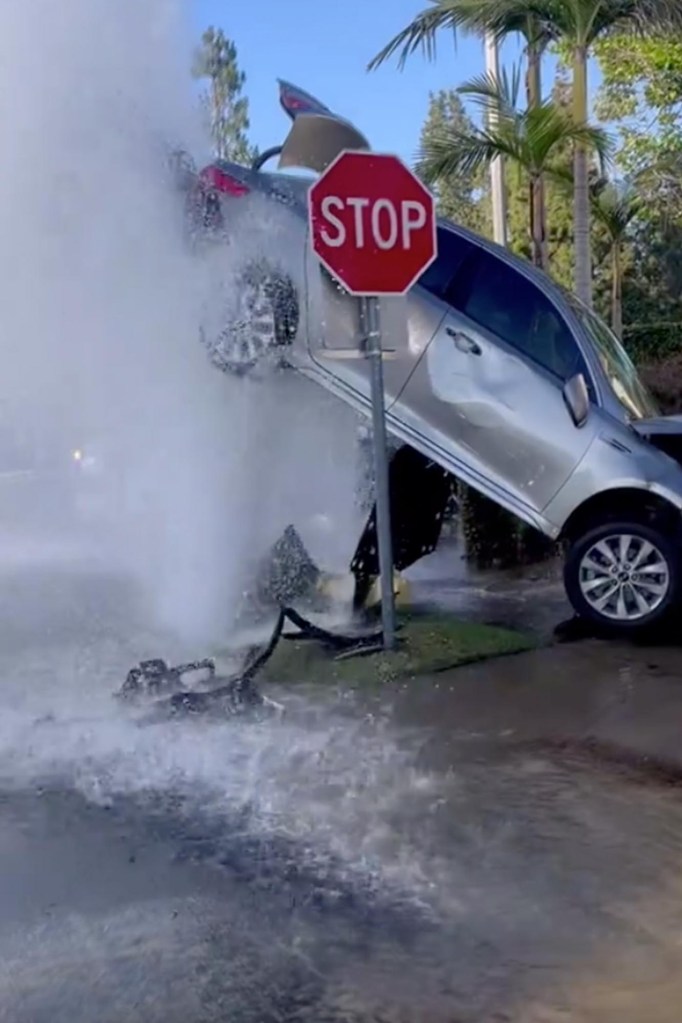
{"x": 625, "y": 381}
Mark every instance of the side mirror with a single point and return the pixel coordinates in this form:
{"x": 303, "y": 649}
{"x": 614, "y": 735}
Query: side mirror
{"x": 577, "y": 399}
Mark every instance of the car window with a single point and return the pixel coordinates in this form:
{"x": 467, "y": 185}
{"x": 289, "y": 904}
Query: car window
{"x": 625, "y": 381}
{"x": 504, "y": 301}
{"x": 452, "y": 251}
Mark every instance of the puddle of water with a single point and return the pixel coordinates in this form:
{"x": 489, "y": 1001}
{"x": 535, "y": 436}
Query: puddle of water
{"x": 556, "y": 892}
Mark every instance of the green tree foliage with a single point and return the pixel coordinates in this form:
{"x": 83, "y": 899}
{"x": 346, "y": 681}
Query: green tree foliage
{"x": 478, "y": 16}
{"x": 578, "y": 26}
{"x": 641, "y": 97}
{"x": 652, "y": 291}
{"x": 559, "y": 212}
{"x": 228, "y": 111}
{"x": 531, "y": 140}
{"x": 615, "y": 207}
{"x": 458, "y": 196}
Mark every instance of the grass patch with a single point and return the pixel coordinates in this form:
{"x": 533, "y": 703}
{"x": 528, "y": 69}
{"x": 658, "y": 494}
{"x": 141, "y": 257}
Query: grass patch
{"x": 427, "y": 643}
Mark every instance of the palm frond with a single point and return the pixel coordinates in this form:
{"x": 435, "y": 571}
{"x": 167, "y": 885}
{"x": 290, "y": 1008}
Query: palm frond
{"x": 454, "y": 153}
{"x": 548, "y": 126}
{"x": 504, "y": 17}
{"x": 539, "y": 20}
{"x": 561, "y": 174}
{"x": 420, "y": 34}
{"x": 584, "y": 21}
{"x": 498, "y": 17}
{"x": 614, "y": 204}
{"x": 497, "y": 94}
{"x": 616, "y": 208}
{"x": 531, "y": 140}
{"x": 639, "y": 15}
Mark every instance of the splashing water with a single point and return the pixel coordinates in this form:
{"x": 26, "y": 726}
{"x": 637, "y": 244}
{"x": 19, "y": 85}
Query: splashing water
{"x": 326, "y": 779}
{"x": 100, "y": 346}
{"x": 102, "y": 302}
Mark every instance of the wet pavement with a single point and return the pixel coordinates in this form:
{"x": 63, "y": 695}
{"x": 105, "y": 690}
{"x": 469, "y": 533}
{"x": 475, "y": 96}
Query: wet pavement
{"x": 432, "y": 852}
{"x": 531, "y": 598}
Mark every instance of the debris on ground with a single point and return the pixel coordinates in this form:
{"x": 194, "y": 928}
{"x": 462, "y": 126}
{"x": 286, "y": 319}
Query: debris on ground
{"x": 237, "y": 694}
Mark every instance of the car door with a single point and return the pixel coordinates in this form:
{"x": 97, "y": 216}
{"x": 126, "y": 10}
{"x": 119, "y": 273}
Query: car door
{"x": 488, "y": 391}
{"x": 407, "y": 324}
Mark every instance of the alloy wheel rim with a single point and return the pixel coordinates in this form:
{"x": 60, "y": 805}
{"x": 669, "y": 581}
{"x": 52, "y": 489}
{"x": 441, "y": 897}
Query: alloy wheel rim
{"x": 250, "y": 335}
{"x": 624, "y": 577}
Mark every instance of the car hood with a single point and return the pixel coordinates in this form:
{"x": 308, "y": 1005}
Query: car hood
{"x": 664, "y": 432}
{"x": 661, "y": 425}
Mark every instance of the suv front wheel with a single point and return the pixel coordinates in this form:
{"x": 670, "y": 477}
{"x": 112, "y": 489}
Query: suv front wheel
{"x": 623, "y": 576}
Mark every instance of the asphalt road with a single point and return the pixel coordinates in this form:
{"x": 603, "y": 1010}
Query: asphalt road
{"x": 339, "y": 865}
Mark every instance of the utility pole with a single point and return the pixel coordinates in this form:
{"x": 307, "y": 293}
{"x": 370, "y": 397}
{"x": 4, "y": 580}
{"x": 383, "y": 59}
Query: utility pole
{"x": 498, "y": 192}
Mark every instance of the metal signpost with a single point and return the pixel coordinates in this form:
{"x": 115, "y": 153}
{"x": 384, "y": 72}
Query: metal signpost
{"x": 373, "y": 227}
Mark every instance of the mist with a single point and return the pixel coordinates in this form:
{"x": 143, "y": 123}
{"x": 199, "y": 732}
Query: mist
{"x": 100, "y": 310}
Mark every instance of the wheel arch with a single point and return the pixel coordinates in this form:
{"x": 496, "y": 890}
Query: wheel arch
{"x": 621, "y": 503}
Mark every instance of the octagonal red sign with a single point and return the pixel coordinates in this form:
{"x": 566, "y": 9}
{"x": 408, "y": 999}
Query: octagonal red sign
{"x": 372, "y": 223}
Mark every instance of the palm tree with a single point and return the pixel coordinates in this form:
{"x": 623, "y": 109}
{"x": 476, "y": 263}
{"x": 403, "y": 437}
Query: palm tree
{"x": 576, "y": 23}
{"x": 479, "y": 16}
{"x": 530, "y": 138}
{"x": 615, "y": 208}
{"x": 579, "y": 24}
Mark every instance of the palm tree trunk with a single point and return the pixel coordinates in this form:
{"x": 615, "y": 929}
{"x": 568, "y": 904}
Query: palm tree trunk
{"x": 533, "y": 75}
{"x": 538, "y": 206}
{"x": 617, "y": 291}
{"x": 581, "y": 197}
{"x": 537, "y": 222}
{"x": 498, "y": 188}
{"x": 218, "y": 120}
{"x": 215, "y": 126}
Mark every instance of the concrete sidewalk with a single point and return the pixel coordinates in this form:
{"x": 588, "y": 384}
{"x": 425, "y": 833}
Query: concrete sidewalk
{"x": 591, "y": 693}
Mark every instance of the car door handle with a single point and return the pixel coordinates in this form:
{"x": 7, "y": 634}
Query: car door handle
{"x": 463, "y": 341}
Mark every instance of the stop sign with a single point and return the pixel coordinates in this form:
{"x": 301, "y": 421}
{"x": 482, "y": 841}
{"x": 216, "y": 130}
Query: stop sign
{"x": 372, "y": 223}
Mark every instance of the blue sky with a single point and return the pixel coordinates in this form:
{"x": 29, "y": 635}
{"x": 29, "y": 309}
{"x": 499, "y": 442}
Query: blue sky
{"x": 324, "y": 48}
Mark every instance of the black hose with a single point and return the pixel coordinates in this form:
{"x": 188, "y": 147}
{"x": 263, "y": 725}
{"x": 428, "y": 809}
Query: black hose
{"x": 239, "y": 688}
{"x": 259, "y": 662}
{"x": 263, "y": 157}
{"x": 333, "y": 640}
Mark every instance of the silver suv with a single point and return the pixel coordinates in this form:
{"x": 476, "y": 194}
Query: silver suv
{"x": 541, "y": 409}
{"x": 495, "y": 375}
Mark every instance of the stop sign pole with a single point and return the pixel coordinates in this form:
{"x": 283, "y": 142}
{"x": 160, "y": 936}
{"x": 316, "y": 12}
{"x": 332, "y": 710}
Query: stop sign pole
{"x": 382, "y": 495}
{"x": 373, "y": 227}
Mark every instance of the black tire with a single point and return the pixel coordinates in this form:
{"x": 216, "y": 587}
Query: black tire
{"x": 626, "y": 584}
{"x": 261, "y": 327}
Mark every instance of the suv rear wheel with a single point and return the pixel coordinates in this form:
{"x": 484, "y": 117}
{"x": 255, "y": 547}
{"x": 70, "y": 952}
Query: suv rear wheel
{"x": 260, "y": 323}
{"x": 624, "y": 575}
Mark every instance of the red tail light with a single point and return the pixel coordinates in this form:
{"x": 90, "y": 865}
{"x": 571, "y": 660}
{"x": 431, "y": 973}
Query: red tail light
{"x": 216, "y": 178}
